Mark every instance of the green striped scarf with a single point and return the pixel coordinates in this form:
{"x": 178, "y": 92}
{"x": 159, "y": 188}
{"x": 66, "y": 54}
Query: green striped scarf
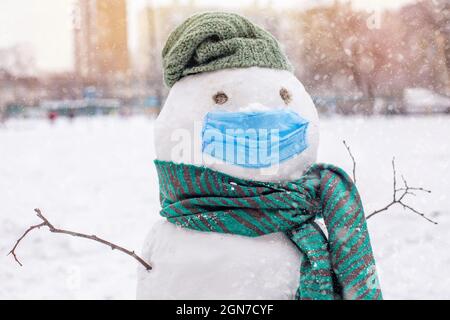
{"x": 340, "y": 266}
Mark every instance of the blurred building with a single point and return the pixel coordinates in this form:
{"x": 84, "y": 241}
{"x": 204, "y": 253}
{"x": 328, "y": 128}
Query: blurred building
{"x": 101, "y": 41}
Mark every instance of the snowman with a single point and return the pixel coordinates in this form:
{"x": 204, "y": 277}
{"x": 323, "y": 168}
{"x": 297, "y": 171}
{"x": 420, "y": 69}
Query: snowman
{"x": 236, "y": 145}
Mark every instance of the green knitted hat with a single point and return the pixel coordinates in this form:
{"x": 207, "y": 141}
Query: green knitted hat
{"x": 216, "y": 40}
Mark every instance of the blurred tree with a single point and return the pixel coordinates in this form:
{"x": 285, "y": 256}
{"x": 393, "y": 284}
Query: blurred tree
{"x": 436, "y": 14}
{"x": 336, "y": 54}
{"x": 345, "y": 56}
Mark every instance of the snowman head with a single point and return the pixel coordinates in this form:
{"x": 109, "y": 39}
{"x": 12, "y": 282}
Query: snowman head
{"x": 234, "y": 104}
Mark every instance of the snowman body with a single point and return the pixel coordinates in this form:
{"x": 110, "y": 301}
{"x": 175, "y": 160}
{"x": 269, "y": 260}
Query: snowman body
{"x": 189, "y": 264}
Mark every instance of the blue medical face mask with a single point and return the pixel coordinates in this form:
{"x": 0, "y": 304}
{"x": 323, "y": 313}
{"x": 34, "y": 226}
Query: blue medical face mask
{"x": 257, "y": 139}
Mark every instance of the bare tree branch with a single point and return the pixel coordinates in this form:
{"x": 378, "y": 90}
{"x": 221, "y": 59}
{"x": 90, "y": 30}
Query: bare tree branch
{"x": 398, "y": 195}
{"x": 353, "y": 160}
{"x": 46, "y": 223}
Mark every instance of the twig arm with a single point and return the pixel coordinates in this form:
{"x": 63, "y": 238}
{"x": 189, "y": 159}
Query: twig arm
{"x": 353, "y": 160}
{"x": 398, "y": 194}
{"x": 51, "y": 227}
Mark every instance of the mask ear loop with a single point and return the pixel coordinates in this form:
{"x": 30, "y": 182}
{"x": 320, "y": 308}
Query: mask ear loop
{"x": 202, "y": 134}
{"x": 204, "y": 160}
{"x": 202, "y": 147}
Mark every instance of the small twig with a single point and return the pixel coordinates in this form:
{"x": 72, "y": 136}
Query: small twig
{"x": 399, "y": 195}
{"x": 353, "y": 160}
{"x": 46, "y": 223}
{"x": 13, "y": 250}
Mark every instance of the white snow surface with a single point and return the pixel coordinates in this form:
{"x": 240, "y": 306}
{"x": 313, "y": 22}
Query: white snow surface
{"x": 96, "y": 176}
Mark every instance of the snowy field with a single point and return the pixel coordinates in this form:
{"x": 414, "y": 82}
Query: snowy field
{"x": 96, "y": 176}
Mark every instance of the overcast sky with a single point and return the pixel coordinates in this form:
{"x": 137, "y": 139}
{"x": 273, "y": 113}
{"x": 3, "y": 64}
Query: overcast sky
{"x": 46, "y": 25}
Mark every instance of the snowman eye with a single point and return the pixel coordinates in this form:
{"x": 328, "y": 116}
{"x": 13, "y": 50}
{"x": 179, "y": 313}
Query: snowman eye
{"x": 285, "y": 95}
{"x": 220, "y": 97}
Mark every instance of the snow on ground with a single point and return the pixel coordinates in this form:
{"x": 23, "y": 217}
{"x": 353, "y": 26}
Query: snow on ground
{"x": 96, "y": 176}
